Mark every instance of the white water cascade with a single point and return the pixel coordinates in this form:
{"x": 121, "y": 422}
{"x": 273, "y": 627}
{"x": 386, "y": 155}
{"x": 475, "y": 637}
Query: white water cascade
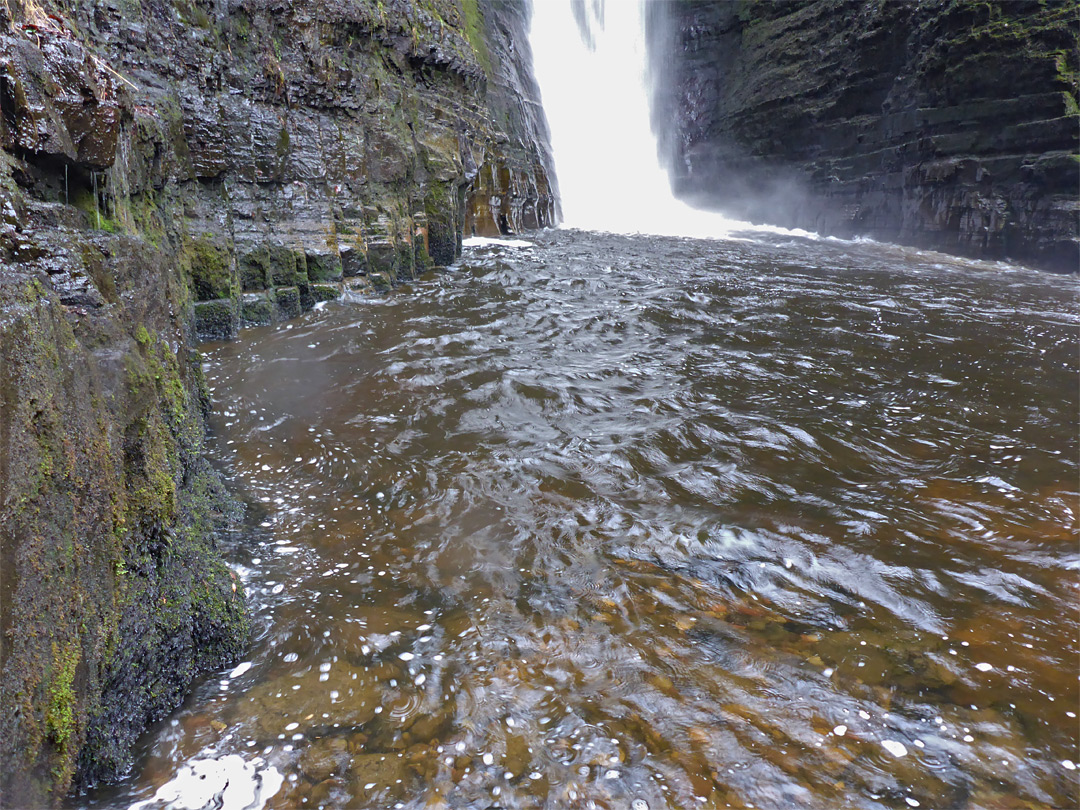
{"x": 596, "y": 101}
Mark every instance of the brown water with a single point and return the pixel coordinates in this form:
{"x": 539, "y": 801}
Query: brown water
{"x": 627, "y": 522}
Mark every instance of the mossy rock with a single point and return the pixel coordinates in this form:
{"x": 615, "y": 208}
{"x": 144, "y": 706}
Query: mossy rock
{"x": 325, "y": 292}
{"x": 324, "y": 267}
{"x": 406, "y": 261}
{"x": 254, "y": 269}
{"x": 473, "y": 19}
{"x": 381, "y": 282}
{"x": 286, "y": 267}
{"x": 256, "y": 309}
{"x": 287, "y": 302}
{"x": 307, "y": 300}
{"x": 210, "y": 268}
{"x": 421, "y": 256}
{"x": 217, "y": 320}
{"x": 358, "y": 286}
{"x": 354, "y": 262}
{"x": 441, "y": 211}
{"x": 382, "y": 257}
{"x": 61, "y": 709}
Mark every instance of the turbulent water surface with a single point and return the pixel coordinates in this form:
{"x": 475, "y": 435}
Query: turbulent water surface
{"x": 628, "y": 522}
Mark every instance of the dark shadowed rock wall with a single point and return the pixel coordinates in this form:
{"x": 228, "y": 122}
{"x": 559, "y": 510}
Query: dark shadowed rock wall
{"x": 949, "y": 124}
{"x": 170, "y": 170}
{"x": 509, "y": 195}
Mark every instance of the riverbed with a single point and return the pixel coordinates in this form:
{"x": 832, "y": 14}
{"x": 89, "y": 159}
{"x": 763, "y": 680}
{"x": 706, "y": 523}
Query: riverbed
{"x": 638, "y": 522}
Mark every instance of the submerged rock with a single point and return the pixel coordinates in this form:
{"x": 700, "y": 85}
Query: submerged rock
{"x": 294, "y": 702}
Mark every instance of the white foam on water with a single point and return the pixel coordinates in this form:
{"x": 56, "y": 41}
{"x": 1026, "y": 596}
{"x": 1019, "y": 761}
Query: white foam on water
{"x": 897, "y": 749}
{"x": 240, "y": 669}
{"x": 227, "y": 783}
{"x": 486, "y": 241}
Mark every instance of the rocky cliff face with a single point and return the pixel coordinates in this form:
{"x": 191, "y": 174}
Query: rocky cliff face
{"x": 948, "y": 124}
{"x": 172, "y": 169}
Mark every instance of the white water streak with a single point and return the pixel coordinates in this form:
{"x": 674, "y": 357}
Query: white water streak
{"x": 227, "y": 783}
{"x": 596, "y": 102}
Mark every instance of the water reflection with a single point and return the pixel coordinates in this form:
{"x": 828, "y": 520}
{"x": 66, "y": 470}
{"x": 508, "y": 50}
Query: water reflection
{"x": 624, "y": 522}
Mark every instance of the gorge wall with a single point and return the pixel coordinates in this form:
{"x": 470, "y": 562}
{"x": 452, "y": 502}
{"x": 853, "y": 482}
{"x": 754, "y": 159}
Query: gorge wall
{"x": 948, "y": 124}
{"x": 171, "y": 170}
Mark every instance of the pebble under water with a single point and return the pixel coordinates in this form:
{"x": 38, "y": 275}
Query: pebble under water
{"x": 639, "y": 522}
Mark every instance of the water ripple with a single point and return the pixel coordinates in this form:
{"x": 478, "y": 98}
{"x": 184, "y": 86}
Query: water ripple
{"x": 616, "y": 520}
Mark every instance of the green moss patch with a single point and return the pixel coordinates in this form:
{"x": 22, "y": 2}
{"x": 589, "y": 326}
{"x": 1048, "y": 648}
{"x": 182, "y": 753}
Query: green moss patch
{"x": 474, "y": 32}
{"x": 287, "y": 302}
{"x": 217, "y": 320}
{"x": 256, "y": 309}
{"x": 323, "y": 267}
{"x": 254, "y": 269}
{"x": 325, "y": 292}
{"x": 210, "y": 268}
{"x": 60, "y": 711}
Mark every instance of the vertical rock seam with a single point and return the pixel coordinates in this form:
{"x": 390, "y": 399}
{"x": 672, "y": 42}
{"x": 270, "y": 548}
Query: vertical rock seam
{"x": 170, "y": 171}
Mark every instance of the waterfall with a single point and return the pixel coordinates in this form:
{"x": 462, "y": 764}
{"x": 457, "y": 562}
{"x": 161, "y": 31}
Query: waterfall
{"x": 590, "y": 64}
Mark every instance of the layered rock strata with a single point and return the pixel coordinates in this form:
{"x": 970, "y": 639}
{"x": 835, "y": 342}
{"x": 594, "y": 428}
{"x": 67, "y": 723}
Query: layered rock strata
{"x": 947, "y": 124}
{"x": 170, "y": 170}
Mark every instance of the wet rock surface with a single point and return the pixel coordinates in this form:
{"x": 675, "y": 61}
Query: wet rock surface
{"x": 113, "y": 589}
{"x": 950, "y": 125}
